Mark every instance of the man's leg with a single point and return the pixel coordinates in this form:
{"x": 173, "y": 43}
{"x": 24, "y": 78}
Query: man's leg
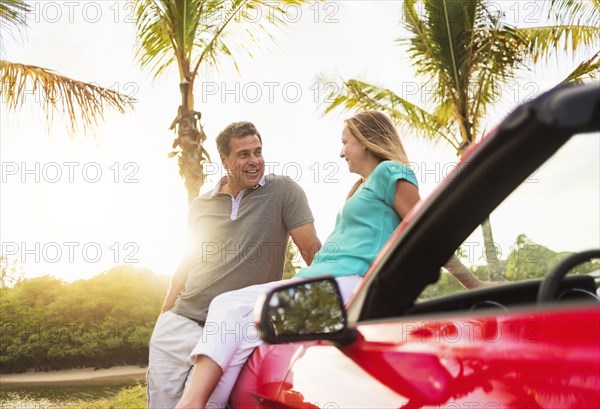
{"x": 172, "y": 341}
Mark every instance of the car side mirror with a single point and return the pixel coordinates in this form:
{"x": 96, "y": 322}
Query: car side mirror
{"x": 304, "y": 310}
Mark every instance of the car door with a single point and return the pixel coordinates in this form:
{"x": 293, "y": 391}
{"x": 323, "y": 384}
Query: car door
{"x": 525, "y": 360}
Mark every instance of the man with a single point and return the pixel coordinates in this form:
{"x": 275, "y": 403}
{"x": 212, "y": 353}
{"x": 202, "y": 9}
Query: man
{"x": 240, "y": 232}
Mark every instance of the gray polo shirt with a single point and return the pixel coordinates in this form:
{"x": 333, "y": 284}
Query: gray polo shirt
{"x": 240, "y": 241}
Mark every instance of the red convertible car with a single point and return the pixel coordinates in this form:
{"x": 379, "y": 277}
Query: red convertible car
{"x": 412, "y": 337}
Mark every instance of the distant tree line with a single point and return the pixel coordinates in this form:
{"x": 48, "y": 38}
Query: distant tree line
{"x": 527, "y": 261}
{"x": 48, "y": 324}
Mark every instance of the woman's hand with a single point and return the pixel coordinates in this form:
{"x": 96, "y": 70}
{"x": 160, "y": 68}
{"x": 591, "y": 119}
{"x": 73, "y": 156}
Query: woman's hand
{"x": 187, "y": 403}
{"x": 205, "y": 377}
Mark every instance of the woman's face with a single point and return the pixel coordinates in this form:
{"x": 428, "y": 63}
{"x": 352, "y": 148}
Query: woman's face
{"x": 353, "y": 151}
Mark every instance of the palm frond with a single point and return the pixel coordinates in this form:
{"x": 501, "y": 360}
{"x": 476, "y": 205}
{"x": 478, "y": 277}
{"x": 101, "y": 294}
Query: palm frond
{"x": 196, "y": 32}
{"x": 497, "y": 55}
{"x": 440, "y": 43}
{"x": 355, "y": 95}
{"x": 12, "y": 13}
{"x": 12, "y": 18}
{"x": 466, "y": 50}
{"x": 228, "y": 31}
{"x": 166, "y": 33}
{"x": 81, "y": 104}
{"x": 217, "y": 43}
{"x": 587, "y": 69}
{"x": 575, "y": 12}
{"x": 421, "y": 44}
{"x": 543, "y": 41}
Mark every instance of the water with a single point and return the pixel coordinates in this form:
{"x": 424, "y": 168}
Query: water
{"x": 63, "y": 395}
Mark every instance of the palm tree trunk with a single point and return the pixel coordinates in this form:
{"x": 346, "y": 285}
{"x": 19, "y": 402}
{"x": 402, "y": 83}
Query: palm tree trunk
{"x": 489, "y": 246}
{"x": 491, "y": 252}
{"x": 190, "y": 137}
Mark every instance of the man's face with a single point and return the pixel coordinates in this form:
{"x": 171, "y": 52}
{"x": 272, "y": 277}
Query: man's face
{"x": 245, "y": 165}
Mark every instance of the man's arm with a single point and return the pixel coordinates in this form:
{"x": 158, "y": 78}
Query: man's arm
{"x": 464, "y": 276}
{"x": 305, "y": 238}
{"x": 178, "y": 280}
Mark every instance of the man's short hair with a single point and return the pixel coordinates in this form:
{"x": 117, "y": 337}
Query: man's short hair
{"x": 235, "y": 130}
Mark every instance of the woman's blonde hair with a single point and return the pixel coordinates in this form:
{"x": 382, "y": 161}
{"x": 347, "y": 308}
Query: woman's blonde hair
{"x": 377, "y": 133}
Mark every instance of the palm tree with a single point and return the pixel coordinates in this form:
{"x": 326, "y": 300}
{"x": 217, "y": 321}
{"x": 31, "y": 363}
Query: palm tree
{"x": 466, "y": 51}
{"x": 82, "y": 104}
{"x": 193, "y": 34}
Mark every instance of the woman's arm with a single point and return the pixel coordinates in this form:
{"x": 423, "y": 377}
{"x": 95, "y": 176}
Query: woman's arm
{"x": 407, "y": 195}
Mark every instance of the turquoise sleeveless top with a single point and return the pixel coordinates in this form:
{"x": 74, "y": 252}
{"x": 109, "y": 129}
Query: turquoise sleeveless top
{"x": 363, "y": 226}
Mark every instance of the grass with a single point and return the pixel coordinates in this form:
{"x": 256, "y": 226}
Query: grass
{"x": 133, "y": 397}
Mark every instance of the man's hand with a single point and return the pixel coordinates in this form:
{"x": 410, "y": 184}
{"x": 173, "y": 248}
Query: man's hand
{"x": 168, "y": 303}
{"x": 178, "y": 280}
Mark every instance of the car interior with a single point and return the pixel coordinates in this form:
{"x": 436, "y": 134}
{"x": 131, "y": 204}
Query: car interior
{"x": 507, "y": 296}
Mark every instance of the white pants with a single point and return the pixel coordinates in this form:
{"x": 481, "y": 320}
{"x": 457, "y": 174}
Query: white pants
{"x": 169, "y": 366}
{"x": 230, "y": 335}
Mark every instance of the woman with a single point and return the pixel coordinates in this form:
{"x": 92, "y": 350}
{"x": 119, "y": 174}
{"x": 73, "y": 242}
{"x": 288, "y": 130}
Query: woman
{"x": 376, "y": 204}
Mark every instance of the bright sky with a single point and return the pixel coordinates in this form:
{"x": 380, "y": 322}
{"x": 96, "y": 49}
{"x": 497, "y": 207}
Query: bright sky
{"x": 76, "y": 207}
